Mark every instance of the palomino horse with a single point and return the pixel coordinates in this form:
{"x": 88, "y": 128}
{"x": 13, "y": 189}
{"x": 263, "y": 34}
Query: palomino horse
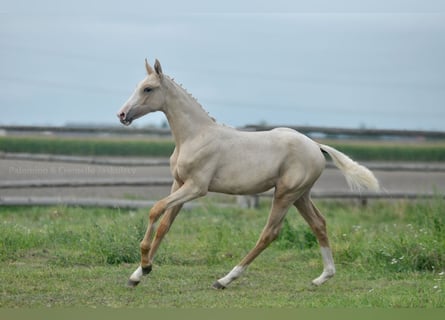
{"x": 213, "y": 157}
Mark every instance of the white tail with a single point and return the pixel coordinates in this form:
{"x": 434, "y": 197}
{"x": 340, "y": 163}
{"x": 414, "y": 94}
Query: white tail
{"x": 357, "y": 176}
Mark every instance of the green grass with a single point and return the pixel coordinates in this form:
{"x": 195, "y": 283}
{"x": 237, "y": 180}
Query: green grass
{"x": 387, "y": 255}
{"x": 391, "y": 151}
{"x": 127, "y": 146}
{"x": 88, "y": 146}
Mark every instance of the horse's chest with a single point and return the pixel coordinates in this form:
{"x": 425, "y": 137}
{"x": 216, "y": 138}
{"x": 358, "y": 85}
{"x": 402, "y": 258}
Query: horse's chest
{"x": 199, "y": 167}
{"x": 183, "y": 170}
{"x": 177, "y": 173}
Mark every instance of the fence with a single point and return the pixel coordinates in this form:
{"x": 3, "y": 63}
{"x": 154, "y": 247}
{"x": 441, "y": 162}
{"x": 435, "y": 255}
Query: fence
{"x": 416, "y": 167}
{"x": 309, "y": 130}
{"x": 130, "y": 204}
{"x": 166, "y": 182}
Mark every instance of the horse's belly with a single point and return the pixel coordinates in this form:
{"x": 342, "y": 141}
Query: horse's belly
{"x": 242, "y": 182}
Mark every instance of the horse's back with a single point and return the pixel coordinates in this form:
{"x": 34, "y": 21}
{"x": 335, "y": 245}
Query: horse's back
{"x": 276, "y": 145}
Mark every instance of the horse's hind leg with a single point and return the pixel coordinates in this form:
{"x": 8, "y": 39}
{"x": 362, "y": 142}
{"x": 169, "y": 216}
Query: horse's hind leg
{"x": 318, "y": 225}
{"x": 270, "y": 232}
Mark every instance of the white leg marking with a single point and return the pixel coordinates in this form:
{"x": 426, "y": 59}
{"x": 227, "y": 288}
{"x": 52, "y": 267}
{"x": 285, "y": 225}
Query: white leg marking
{"x": 328, "y": 269}
{"x": 232, "y": 275}
{"x": 137, "y": 275}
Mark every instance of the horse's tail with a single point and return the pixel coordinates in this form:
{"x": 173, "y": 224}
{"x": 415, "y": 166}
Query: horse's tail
{"x": 356, "y": 175}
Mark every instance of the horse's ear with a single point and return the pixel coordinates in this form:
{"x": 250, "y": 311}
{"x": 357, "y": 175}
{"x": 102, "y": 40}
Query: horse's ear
{"x": 148, "y": 68}
{"x": 158, "y": 68}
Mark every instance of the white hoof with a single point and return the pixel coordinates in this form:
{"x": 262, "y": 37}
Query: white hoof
{"x": 137, "y": 275}
{"x": 325, "y": 276}
{"x": 232, "y": 275}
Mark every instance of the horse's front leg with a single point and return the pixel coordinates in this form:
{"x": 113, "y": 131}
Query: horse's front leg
{"x": 147, "y": 250}
{"x": 171, "y": 205}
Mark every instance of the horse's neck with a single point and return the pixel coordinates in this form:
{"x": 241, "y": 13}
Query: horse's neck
{"x": 186, "y": 117}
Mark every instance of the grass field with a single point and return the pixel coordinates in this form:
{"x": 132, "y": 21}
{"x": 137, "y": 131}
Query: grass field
{"x": 130, "y": 146}
{"x": 388, "y": 254}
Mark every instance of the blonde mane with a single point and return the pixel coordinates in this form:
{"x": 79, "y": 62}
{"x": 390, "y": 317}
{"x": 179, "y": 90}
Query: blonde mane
{"x": 180, "y": 87}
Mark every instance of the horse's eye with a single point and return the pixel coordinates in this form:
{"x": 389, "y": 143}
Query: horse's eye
{"x": 147, "y": 90}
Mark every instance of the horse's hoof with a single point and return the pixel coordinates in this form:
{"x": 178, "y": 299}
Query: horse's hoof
{"x": 218, "y": 286}
{"x": 132, "y": 283}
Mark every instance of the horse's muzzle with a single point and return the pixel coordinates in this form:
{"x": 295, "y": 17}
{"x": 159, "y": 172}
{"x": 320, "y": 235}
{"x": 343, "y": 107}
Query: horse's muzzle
{"x": 123, "y": 118}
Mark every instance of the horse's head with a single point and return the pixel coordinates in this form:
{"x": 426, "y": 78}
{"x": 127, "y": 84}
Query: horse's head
{"x": 148, "y": 96}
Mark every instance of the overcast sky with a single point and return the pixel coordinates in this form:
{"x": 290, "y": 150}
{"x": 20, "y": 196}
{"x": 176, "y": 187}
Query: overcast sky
{"x": 379, "y": 64}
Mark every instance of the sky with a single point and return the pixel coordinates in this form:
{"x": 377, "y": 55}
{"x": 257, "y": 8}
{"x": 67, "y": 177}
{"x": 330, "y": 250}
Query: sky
{"x": 374, "y": 64}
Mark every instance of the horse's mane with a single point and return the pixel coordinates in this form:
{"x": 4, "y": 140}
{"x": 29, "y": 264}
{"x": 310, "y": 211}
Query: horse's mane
{"x": 181, "y": 87}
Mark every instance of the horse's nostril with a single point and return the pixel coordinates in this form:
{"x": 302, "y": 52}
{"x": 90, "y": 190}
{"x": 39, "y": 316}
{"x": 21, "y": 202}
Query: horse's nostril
{"x": 122, "y": 115}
